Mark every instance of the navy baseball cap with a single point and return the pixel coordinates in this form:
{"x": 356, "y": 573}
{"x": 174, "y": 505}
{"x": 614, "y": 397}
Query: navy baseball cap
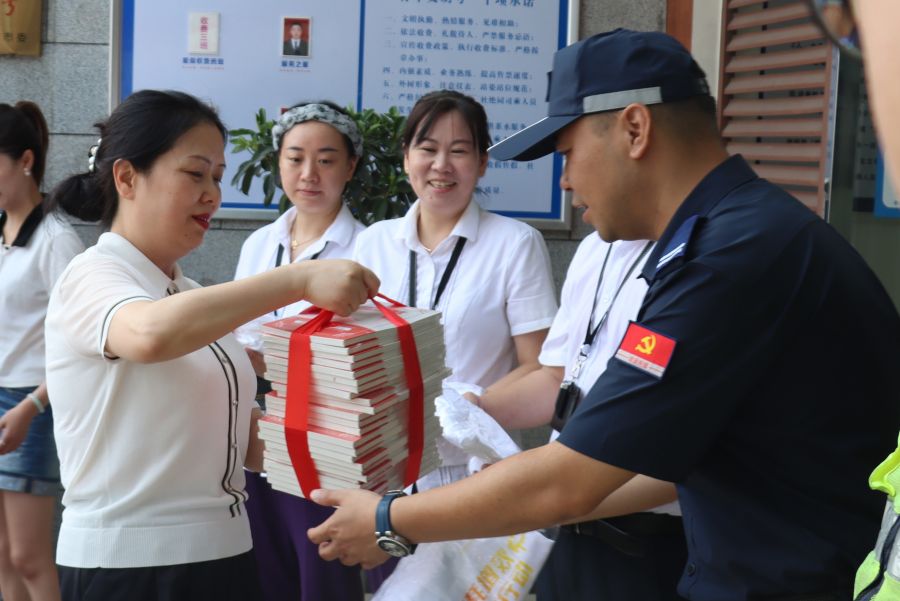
{"x": 605, "y": 72}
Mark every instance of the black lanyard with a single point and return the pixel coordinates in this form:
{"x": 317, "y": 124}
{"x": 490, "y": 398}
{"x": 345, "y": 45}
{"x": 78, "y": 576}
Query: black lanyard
{"x": 454, "y": 258}
{"x": 280, "y": 256}
{"x": 591, "y": 333}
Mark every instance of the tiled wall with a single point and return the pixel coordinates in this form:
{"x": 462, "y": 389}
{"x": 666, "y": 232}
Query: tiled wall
{"x": 69, "y": 80}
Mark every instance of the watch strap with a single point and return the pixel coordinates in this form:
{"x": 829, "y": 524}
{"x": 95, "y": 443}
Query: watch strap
{"x": 383, "y": 525}
{"x": 383, "y": 512}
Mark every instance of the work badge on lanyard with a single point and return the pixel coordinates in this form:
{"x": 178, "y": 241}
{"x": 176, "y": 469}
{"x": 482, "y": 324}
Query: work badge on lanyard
{"x": 569, "y": 395}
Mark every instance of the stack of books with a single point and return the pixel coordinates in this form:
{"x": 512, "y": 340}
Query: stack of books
{"x": 358, "y": 401}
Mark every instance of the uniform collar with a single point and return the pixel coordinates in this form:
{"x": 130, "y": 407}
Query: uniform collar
{"x": 119, "y": 246}
{"x": 340, "y": 232}
{"x": 28, "y": 227}
{"x": 725, "y": 177}
{"x": 466, "y": 227}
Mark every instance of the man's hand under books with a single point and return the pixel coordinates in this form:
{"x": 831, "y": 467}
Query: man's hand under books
{"x": 349, "y": 534}
{"x": 337, "y": 285}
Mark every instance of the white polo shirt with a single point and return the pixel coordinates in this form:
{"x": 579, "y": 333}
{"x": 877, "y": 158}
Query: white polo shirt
{"x": 578, "y": 298}
{"x": 151, "y": 455}
{"x": 501, "y": 286}
{"x": 29, "y": 266}
{"x": 259, "y": 253}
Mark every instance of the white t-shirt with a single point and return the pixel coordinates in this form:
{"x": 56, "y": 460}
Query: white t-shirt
{"x": 578, "y": 293}
{"x": 29, "y": 266}
{"x": 260, "y": 253}
{"x": 151, "y": 455}
{"x": 501, "y": 286}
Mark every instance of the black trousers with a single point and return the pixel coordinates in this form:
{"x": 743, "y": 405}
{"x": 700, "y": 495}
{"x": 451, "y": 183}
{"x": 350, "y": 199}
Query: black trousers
{"x": 584, "y": 568}
{"x": 230, "y": 579}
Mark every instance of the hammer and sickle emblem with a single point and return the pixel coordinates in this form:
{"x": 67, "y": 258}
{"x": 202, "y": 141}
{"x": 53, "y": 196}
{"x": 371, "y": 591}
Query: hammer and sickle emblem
{"x": 648, "y": 343}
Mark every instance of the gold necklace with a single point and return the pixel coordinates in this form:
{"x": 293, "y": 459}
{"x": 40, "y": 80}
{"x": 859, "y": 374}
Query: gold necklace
{"x": 295, "y": 244}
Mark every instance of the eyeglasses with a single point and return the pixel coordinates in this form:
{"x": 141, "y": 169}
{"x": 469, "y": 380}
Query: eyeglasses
{"x": 836, "y": 19}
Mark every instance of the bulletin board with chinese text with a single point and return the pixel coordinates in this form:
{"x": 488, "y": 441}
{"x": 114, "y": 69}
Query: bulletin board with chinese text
{"x": 242, "y": 56}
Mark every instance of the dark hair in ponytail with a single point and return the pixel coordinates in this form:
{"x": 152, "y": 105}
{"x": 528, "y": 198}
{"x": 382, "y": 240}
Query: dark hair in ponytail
{"x": 23, "y": 127}
{"x": 145, "y": 126}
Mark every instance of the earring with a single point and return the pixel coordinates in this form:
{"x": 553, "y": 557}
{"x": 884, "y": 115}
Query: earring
{"x": 27, "y": 172}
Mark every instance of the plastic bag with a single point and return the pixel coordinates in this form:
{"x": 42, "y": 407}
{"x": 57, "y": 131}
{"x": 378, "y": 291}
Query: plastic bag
{"x": 483, "y": 569}
{"x": 476, "y": 438}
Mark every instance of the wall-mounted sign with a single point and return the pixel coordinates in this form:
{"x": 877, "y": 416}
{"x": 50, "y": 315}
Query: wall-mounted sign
{"x": 366, "y": 53}
{"x": 203, "y": 33}
{"x": 20, "y": 27}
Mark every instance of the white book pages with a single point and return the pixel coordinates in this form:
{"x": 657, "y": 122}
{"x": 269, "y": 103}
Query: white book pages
{"x": 373, "y": 457}
{"x": 277, "y": 405}
{"x": 279, "y": 345}
{"x": 431, "y": 359}
{"x": 323, "y": 394}
{"x": 274, "y": 465}
{"x": 366, "y": 324}
{"x": 390, "y": 442}
{"x": 287, "y": 482}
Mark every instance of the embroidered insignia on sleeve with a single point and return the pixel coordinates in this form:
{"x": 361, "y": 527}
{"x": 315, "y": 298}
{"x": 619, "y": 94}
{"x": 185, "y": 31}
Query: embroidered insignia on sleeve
{"x": 646, "y": 350}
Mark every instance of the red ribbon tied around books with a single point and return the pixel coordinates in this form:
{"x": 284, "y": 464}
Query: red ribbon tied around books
{"x": 296, "y": 418}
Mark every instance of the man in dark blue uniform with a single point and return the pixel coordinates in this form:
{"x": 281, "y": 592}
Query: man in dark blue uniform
{"x": 760, "y": 375}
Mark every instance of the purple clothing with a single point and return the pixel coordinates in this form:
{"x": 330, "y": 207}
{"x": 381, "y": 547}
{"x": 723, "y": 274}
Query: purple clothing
{"x": 376, "y": 576}
{"x": 289, "y": 564}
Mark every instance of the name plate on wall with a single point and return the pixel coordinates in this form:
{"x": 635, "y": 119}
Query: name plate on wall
{"x": 20, "y": 27}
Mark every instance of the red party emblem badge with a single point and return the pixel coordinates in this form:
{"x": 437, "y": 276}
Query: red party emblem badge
{"x": 646, "y": 350}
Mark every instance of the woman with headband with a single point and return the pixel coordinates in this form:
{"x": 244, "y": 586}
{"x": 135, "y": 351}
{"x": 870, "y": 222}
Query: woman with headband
{"x": 318, "y": 148}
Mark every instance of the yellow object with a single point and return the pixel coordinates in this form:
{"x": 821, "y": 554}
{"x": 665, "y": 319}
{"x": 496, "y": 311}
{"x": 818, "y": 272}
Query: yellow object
{"x": 886, "y": 477}
{"x": 889, "y": 591}
{"x": 866, "y": 574}
{"x": 884, "y": 579}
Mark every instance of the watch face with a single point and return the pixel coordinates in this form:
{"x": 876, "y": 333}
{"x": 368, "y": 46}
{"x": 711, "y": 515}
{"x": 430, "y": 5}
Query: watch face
{"x": 392, "y": 547}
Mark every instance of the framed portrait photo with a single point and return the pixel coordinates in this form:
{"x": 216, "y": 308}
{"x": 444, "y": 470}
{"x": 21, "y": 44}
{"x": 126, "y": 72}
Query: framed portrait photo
{"x": 295, "y": 36}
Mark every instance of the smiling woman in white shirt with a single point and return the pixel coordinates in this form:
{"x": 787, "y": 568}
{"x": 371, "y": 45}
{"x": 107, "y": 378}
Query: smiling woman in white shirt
{"x": 318, "y": 148}
{"x": 153, "y": 396}
{"x": 488, "y": 275}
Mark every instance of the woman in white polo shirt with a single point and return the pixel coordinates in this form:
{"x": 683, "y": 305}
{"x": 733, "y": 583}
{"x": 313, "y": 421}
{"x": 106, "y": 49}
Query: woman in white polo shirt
{"x": 34, "y": 250}
{"x": 153, "y": 396}
{"x": 318, "y": 148}
{"x": 489, "y": 275}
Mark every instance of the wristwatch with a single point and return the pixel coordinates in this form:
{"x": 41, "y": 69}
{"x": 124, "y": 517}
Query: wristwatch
{"x": 389, "y": 541}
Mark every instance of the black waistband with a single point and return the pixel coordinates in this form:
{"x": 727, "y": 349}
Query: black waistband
{"x": 626, "y": 533}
